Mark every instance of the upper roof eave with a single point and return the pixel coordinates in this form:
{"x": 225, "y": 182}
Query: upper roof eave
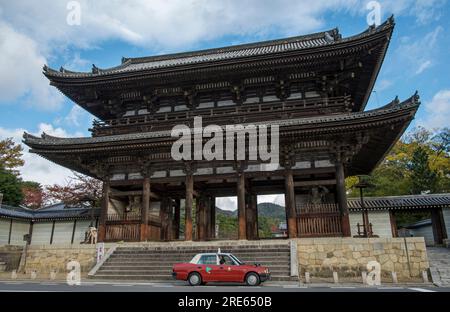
{"x": 410, "y": 104}
{"x": 172, "y": 61}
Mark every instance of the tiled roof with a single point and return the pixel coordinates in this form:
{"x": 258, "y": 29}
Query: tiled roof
{"x": 401, "y": 202}
{"x": 316, "y": 40}
{"x": 57, "y": 211}
{"x": 394, "y": 106}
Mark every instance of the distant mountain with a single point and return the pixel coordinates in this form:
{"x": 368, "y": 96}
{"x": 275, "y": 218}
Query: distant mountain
{"x": 271, "y": 210}
{"x": 264, "y": 209}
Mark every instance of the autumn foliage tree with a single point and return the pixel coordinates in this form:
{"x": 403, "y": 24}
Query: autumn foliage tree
{"x": 78, "y": 189}
{"x": 33, "y": 195}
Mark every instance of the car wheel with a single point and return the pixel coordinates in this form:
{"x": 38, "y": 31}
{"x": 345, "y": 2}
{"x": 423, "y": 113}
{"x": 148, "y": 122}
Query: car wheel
{"x": 252, "y": 279}
{"x": 194, "y": 279}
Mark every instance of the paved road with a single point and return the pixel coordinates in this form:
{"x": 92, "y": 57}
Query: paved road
{"x": 18, "y": 286}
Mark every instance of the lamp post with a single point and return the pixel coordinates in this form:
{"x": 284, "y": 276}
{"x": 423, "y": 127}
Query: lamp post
{"x": 362, "y": 184}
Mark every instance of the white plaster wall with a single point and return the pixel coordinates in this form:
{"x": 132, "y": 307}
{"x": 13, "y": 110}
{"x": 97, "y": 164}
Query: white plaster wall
{"x": 80, "y": 230}
{"x": 4, "y": 231}
{"x": 63, "y": 232}
{"x": 381, "y": 223}
{"x": 19, "y": 229}
{"x": 41, "y": 233}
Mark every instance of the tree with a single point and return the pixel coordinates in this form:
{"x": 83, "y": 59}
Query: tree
{"x": 33, "y": 194}
{"x": 10, "y": 187}
{"x": 422, "y": 177}
{"x": 78, "y": 189}
{"x": 10, "y": 154}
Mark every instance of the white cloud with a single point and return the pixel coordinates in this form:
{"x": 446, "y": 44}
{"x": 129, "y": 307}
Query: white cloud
{"x": 21, "y": 71}
{"x": 425, "y": 65}
{"x": 437, "y": 111}
{"x": 414, "y": 55}
{"x": 37, "y": 168}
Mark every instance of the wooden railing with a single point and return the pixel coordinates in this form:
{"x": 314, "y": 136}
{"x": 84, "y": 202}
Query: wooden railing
{"x": 315, "y": 220}
{"x": 217, "y": 114}
{"x": 131, "y": 216}
{"x": 125, "y": 232}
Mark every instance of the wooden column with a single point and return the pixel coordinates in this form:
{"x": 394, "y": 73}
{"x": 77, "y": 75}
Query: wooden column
{"x": 254, "y": 205}
{"x": 164, "y": 218}
{"x": 145, "y": 207}
{"x": 242, "y": 231}
{"x": 10, "y": 231}
{"x": 104, "y": 211}
{"x": 188, "y": 206}
{"x": 176, "y": 219}
{"x": 52, "y": 232}
{"x": 208, "y": 218}
{"x": 73, "y": 231}
{"x": 393, "y": 221}
{"x": 249, "y": 216}
{"x": 212, "y": 221}
{"x": 201, "y": 217}
{"x": 438, "y": 226}
{"x": 289, "y": 199}
{"x": 342, "y": 198}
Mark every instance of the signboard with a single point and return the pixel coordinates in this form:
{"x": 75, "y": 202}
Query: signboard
{"x": 100, "y": 251}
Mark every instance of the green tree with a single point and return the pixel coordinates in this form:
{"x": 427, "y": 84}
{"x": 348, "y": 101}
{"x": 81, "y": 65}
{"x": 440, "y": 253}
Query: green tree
{"x": 422, "y": 177}
{"x": 10, "y": 154}
{"x": 10, "y": 187}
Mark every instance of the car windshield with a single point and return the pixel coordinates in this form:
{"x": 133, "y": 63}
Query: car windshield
{"x": 236, "y": 260}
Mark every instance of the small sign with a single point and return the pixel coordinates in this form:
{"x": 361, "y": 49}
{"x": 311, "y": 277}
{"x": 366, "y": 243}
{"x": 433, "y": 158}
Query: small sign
{"x": 100, "y": 251}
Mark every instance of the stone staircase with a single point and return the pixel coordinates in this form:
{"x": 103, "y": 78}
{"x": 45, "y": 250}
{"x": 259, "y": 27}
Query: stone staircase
{"x": 154, "y": 262}
{"x": 439, "y": 259}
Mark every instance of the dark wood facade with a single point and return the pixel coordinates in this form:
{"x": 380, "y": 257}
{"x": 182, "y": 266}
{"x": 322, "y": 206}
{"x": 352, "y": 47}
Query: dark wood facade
{"x": 314, "y": 88}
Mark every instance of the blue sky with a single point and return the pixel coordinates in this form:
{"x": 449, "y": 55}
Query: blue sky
{"x": 35, "y": 33}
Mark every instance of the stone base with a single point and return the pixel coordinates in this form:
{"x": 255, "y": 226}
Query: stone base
{"x": 350, "y": 256}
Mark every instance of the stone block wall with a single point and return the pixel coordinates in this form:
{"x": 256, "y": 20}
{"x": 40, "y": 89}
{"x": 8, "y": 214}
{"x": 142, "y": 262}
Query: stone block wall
{"x": 349, "y": 256}
{"x": 45, "y": 259}
{"x": 11, "y": 256}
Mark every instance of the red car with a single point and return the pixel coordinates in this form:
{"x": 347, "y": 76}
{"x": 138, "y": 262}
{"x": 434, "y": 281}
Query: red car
{"x": 219, "y": 267}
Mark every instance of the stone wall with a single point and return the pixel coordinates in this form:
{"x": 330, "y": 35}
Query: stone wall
{"x": 45, "y": 259}
{"x": 349, "y": 256}
{"x": 11, "y": 256}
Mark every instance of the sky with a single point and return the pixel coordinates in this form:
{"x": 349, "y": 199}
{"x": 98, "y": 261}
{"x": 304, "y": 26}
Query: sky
{"x": 77, "y": 34}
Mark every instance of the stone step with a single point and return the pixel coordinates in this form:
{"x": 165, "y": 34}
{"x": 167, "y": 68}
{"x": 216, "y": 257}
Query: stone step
{"x": 188, "y": 258}
{"x": 224, "y": 247}
{"x": 133, "y": 266}
{"x": 191, "y": 254}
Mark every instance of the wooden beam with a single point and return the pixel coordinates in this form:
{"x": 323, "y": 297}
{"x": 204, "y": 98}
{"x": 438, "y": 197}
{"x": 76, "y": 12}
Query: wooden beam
{"x": 188, "y": 207}
{"x": 53, "y": 232}
{"x": 176, "y": 219}
{"x": 290, "y": 204}
{"x": 342, "y": 199}
{"x": 73, "y": 230}
{"x": 104, "y": 211}
{"x": 10, "y": 231}
{"x": 315, "y": 183}
{"x": 145, "y": 207}
{"x": 393, "y": 222}
{"x": 242, "y": 231}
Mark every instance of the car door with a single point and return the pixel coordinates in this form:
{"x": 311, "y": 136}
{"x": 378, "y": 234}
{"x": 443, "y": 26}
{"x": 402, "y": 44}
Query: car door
{"x": 208, "y": 268}
{"x": 228, "y": 269}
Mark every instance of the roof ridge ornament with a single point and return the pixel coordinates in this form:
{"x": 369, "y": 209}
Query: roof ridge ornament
{"x": 95, "y": 69}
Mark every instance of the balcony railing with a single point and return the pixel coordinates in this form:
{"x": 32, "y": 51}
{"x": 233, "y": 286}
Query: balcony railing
{"x": 315, "y": 220}
{"x": 217, "y": 114}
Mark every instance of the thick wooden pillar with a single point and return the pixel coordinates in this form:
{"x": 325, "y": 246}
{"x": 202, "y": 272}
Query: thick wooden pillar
{"x": 249, "y": 216}
{"x": 208, "y": 218}
{"x": 104, "y": 211}
{"x": 212, "y": 215}
{"x": 188, "y": 206}
{"x": 201, "y": 218}
{"x": 242, "y": 231}
{"x": 145, "y": 207}
{"x": 342, "y": 198}
{"x": 165, "y": 216}
{"x": 254, "y": 205}
{"x": 290, "y": 204}
{"x": 438, "y": 226}
{"x": 176, "y": 219}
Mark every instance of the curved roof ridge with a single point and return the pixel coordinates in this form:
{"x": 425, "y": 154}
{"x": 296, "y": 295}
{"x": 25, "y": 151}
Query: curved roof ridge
{"x": 323, "y": 38}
